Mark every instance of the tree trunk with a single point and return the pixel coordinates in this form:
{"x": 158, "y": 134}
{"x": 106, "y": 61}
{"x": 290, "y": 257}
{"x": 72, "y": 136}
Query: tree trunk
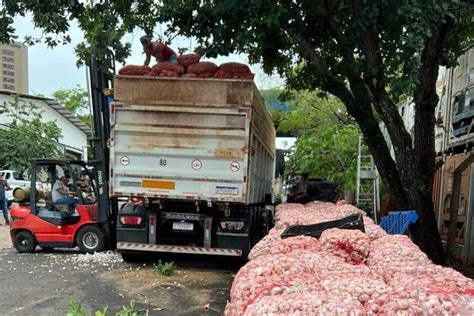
{"x": 425, "y": 231}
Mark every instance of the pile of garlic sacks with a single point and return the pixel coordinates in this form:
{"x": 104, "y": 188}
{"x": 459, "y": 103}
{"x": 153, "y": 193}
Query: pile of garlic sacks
{"x": 345, "y": 272}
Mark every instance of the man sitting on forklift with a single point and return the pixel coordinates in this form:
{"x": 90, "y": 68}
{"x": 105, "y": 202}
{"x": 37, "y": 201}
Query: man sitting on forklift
{"x": 60, "y": 193}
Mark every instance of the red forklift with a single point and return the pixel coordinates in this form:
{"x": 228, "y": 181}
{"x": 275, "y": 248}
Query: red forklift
{"x": 91, "y": 225}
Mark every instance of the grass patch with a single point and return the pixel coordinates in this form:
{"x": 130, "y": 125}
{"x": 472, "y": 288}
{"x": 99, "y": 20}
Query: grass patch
{"x": 166, "y": 269}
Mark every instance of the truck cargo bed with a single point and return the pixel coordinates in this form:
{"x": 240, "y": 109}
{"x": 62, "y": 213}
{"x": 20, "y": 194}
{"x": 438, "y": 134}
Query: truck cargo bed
{"x": 191, "y": 139}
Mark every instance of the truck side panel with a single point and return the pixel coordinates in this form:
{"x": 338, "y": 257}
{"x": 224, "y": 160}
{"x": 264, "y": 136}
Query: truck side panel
{"x": 180, "y": 153}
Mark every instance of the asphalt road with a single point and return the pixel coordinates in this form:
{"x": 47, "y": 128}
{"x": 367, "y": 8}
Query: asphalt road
{"x": 43, "y": 283}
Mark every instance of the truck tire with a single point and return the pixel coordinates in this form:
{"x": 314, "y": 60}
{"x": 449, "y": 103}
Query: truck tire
{"x": 25, "y": 242}
{"x": 90, "y": 239}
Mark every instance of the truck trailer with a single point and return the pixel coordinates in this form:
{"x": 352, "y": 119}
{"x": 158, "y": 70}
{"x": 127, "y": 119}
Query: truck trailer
{"x": 194, "y": 158}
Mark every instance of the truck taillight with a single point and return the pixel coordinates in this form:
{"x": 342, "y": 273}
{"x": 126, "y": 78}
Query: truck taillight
{"x": 232, "y": 225}
{"x": 131, "y": 220}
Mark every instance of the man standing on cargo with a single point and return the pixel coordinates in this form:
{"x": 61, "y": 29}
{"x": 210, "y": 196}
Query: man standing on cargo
{"x": 159, "y": 50}
{"x": 3, "y": 200}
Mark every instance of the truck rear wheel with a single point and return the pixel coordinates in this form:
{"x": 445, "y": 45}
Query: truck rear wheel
{"x": 25, "y": 242}
{"x": 90, "y": 239}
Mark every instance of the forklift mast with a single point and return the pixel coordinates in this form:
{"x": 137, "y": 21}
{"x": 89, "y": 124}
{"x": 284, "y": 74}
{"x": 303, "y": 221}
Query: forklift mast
{"x": 101, "y": 72}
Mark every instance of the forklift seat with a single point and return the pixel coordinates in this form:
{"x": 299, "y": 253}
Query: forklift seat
{"x": 58, "y": 218}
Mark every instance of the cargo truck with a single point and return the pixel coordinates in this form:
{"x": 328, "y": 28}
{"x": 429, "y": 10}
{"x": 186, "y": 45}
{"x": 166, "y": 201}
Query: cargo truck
{"x": 195, "y": 160}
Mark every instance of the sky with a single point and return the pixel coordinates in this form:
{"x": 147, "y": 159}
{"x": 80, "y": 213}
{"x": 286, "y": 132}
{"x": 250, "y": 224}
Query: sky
{"x": 54, "y": 69}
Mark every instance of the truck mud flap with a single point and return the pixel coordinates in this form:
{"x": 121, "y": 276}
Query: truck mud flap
{"x": 179, "y": 249}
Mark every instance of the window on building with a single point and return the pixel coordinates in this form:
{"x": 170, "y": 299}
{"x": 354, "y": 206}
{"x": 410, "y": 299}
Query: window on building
{"x": 471, "y": 76}
{"x": 8, "y": 73}
{"x": 459, "y": 104}
{"x": 8, "y": 80}
{"x": 8, "y": 59}
{"x": 7, "y": 52}
{"x": 470, "y": 95}
{"x": 8, "y": 86}
{"x": 8, "y": 66}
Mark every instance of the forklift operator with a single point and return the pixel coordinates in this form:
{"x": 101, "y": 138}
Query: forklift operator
{"x": 60, "y": 193}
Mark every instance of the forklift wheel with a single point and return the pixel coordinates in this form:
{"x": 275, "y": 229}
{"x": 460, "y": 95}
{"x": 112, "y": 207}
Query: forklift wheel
{"x": 90, "y": 239}
{"x": 25, "y": 242}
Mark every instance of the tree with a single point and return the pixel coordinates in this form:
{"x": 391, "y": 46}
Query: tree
{"x": 75, "y": 100}
{"x": 366, "y": 53}
{"x": 327, "y": 138}
{"x": 26, "y": 136}
{"x": 104, "y": 23}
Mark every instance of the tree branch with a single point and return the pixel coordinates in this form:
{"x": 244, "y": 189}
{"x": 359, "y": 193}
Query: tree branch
{"x": 375, "y": 87}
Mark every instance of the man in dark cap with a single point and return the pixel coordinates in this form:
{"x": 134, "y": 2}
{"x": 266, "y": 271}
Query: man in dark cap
{"x": 159, "y": 50}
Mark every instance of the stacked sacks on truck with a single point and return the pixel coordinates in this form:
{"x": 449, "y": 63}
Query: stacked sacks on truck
{"x": 202, "y": 69}
{"x": 344, "y": 272}
{"x": 191, "y": 66}
{"x": 234, "y": 71}
{"x": 134, "y": 70}
{"x": 167, "y": 69}
{"x": 186, "y": 60}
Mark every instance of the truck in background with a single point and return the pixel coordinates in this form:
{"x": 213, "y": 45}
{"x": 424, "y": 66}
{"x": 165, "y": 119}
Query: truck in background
{"x": 196, "y": 157}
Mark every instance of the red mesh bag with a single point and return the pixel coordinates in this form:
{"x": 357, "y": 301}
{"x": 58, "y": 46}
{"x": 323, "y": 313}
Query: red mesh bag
{"x": 188, "y": 59}
{"x": 168, "y": 73}
{"x": 202, "y": 68}
{"x": 151, "y": 73}
{"x": 207, "y": 75}
{"x": 189, "y": 75}
{"x": 134, "y": 70}
{"x": 235, "y": 68}
{"x": 177, "y": 68}
{"x": 223, "y": 74}
{"x": 228, "y": 74}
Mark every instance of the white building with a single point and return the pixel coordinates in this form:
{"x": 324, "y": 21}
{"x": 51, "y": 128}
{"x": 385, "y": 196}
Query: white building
{"x": 406, "y": 109}
{"x": 74, "y": 132}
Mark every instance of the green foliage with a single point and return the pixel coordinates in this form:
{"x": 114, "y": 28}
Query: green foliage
{"x": 166, "y": 269}
{"x": 328, "y": 138}
{"x": 131, "y": 310}
{"x": 75, "y": 100}
{"x": 104, "y": 23}
{"x": 27, "y": 136}
{"x": 75, "y": 309}
{"x": 278, "y": 34}
{"x": 103, "y": 312}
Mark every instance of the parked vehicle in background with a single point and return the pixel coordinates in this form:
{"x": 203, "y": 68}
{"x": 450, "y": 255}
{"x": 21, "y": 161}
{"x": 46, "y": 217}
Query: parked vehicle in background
{"x": 15, "y": 179}
{"x": 304, "y": 190}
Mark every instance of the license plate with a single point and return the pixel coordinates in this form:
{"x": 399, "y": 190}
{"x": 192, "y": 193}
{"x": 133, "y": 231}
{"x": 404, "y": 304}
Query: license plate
{"x": 227, "y": 190}
{"x": 183, "y": 226}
